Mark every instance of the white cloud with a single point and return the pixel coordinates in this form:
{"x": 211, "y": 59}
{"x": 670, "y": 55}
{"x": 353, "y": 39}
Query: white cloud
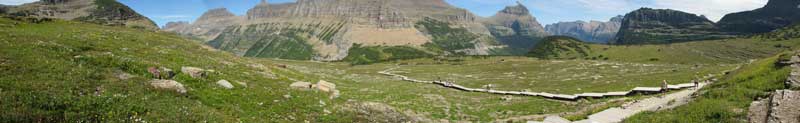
{"x": 16, "y": 2}
{"x": 713, "y": 9}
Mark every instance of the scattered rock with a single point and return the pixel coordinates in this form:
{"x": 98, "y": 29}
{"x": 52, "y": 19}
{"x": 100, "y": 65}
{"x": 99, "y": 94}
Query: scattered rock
{"x": 170, "y": 73}
{"x": 556, "y": 119}
{"x": 194, "y": 72}
{"x": 373, "y": 112}
{"x": 335, "y": 94}
{"x": 124, "y": 76}
{"x": 301, "y": 85}
{"x": 225, "y": 84}
{"x": 155, "y": 72}
{"x": 507, "y": 98}
{"x": 243, "y": 84}
{"x": 325, "y": 86}
{"x": 287, "y": 96}
{"x": 168, "y": 85}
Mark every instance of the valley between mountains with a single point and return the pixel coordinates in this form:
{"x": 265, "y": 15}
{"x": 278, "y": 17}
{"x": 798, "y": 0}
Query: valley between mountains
{"x": 395, "y": 61}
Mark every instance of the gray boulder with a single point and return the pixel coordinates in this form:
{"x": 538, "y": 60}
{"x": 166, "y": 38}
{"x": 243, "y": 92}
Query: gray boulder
{"x": 225, "y": 84}
{"x": 194, "y": 72}
{"x": 168, "y": 85}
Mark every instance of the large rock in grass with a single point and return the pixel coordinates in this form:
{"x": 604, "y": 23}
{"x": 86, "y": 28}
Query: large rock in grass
{"x": 301, "y": 85}
{"x": 194, "y": 72}
{"x": 225, "y": 84}
{"x": 325, "y": 86}
{"x": 168, "y": 85}
{"x": 781, "y": 107}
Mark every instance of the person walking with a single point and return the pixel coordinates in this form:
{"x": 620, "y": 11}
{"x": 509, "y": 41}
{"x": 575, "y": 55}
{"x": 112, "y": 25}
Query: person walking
{"x": 664, "y": 87}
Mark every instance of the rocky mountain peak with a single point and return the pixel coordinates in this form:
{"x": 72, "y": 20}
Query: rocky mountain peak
{"x": 518, "y": 9}
{"x": 216, "y": 13}
{"x": 260, "y": 11}
{"x": 783, "y": 4}
{"x": 656, "y": 26}
{"x": 592, "y": 31}
{"x": 617, "y": 18}
{"x": 776, "y": 14}
{"x": 672, "y": 17}
{"x": 175, "y": 24}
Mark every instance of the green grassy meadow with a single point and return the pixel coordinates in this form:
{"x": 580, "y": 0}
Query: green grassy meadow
{"x": 51, "y": 72}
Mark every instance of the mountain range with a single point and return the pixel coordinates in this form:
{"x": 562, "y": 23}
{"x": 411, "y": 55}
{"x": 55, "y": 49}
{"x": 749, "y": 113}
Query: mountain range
{"x": 326, "y": 30}
{"x": 592, "y": 31}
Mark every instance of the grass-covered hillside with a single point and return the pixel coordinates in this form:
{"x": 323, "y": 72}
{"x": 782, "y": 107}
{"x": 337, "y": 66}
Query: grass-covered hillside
{"x": 360, "y": 55}
{"x": 709, "y": 51}
{"x": 560, "y": 47}
{"x": 786, "y": 33}
{"x": 64, "y": 71}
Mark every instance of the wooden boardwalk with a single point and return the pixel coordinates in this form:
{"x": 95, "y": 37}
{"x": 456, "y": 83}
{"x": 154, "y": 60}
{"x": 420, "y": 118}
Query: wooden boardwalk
{"x": 643, "y": 90}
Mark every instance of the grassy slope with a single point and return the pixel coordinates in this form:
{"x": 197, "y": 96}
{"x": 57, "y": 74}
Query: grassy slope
{"x": 725, "y": 101}
{"x": 50, "y": 71}
{"x": 360, "y": 55}
{"x": 560, "y": 47}
{"x": 712, "y": 51}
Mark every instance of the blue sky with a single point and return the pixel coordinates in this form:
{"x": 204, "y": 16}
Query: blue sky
{"x": 546, "y": 11}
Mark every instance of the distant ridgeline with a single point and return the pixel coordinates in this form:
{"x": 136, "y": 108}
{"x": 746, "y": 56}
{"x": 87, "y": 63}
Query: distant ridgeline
{"x": 104, "y": 12}
{"x": 659, "y": 26}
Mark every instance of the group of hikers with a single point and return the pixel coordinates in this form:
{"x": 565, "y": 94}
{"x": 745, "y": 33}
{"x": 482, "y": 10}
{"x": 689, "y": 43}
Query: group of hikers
{"x": 665, "y": 85}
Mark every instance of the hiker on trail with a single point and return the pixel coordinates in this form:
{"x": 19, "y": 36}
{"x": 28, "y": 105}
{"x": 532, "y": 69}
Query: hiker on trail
{"x": 155, "y": 72}
{"x": 696, "y": 84}
{"x": 664, "y": 87}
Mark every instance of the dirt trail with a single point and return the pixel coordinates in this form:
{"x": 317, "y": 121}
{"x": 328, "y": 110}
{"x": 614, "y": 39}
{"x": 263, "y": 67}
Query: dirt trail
{"x": 617, "y": 114}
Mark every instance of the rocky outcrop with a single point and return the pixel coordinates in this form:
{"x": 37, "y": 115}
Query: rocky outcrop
{"x": 516, "y": 27}
{"x": 656, "y": 26}
{"x": 171, "y": 85}
{"x": 592, "y": 31}
{"x": 105, "y": 12}
{"x": 794, "y": 77}
{"x": 780, "y": 107}
{"x": 206, "y": 27}
{"x": 776, "y": 14}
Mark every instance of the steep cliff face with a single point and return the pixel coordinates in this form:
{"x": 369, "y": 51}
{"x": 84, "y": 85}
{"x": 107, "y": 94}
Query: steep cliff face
{"x": 516, "y": 27}
{"x": 331, "y": 27}
{"x": 654, "y": 26}
{"x": 592, "y": 31}
{"x": 106, "y": 12}
{"x": 206, "y": 27}
{"x": 776, "y": 14}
